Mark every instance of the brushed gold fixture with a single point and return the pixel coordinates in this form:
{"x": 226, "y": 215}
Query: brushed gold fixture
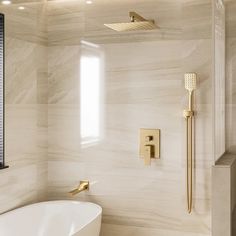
{"x": 190, "y": 85}
{"x": 83, "y": 185}
{"x": 149, "y": 144}
{"x": 137, "y": 23}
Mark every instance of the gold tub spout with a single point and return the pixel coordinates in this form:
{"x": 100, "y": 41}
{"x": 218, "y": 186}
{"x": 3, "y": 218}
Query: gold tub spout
{"x": 83, "y": 185}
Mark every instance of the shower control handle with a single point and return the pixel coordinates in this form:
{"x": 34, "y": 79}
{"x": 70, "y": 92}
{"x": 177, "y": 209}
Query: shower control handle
{"x": 148, "y": 154}
{"x": 149, "y": 144}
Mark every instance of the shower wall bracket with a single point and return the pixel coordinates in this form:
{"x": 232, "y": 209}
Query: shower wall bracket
{"x": 188, "y": 113}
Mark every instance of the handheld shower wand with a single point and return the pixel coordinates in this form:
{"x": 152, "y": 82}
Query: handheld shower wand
{"x": 190, "y": 85}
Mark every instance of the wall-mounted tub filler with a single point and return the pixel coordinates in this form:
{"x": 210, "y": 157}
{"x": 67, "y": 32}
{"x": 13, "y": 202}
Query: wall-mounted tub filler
{"x": 137, "y": 23}
{"x": 190, "y": 85}
{"x": 83, "y": 185}
{"x": 149, "y": 144}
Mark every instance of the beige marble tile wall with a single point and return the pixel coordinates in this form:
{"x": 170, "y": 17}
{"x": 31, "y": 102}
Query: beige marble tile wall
{"x": 140, "y": 78}
{"x": 223, "y": 195}
{"x": 219, "y": 78}
{"x": 26, "y": 106}
{"x": 230, "y": 75}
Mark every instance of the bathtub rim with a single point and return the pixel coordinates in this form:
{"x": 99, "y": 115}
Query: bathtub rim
{"x": 98, "y": 209}
{"x": 21, "y": 208}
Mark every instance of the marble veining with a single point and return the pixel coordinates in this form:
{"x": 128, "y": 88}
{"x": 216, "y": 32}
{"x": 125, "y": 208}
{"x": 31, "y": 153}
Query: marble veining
{"x": 219, "y": 78}
{"x": 141, "y": 85}
{"x": 230, "y": 76}
{"x": 25, "y": 122}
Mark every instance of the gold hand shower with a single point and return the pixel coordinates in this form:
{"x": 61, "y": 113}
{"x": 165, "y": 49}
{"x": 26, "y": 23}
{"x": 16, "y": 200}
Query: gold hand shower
{"x": 190, "y": 85}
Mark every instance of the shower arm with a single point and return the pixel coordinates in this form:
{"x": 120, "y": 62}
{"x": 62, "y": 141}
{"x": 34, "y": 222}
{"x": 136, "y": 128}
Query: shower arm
{"x": 136, "y": 17}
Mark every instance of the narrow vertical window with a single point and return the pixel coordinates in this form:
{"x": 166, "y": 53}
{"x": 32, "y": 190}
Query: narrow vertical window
{"x": 90, "y": 99}
{"x": 2, "y": 161}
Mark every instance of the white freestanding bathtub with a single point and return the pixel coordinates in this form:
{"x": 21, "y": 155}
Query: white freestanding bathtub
{"x": 55, "y": 218}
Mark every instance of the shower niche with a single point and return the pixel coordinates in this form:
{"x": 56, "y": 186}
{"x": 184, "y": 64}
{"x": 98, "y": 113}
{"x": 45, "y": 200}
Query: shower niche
{"x": 2, "y": 156}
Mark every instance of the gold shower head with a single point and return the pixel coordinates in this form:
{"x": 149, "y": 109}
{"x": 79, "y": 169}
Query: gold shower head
{"x": 190, "y": 81}
{"x": 137, "y": 23}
